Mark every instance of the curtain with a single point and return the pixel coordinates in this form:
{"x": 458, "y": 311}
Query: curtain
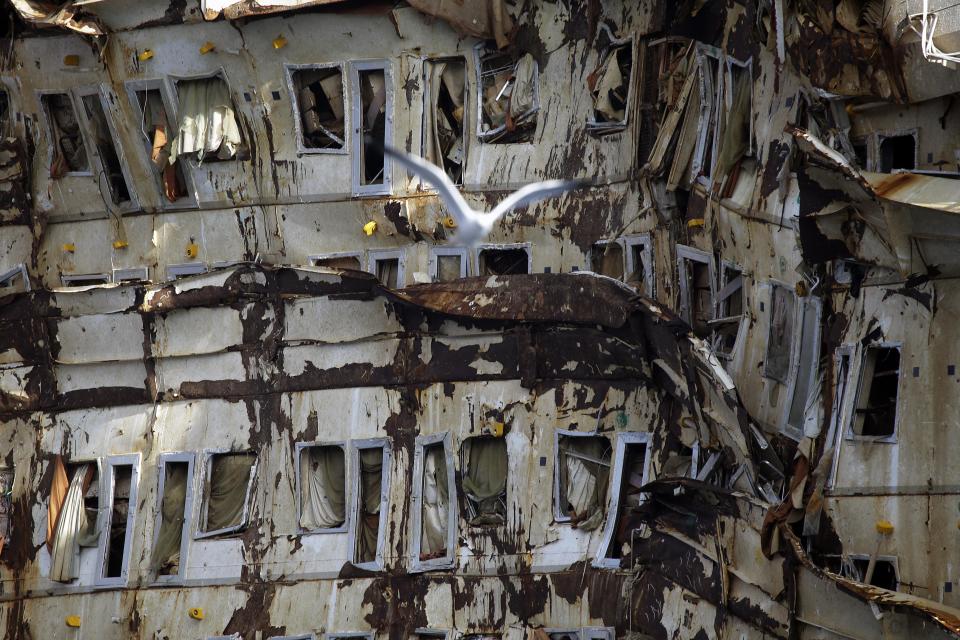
{"x": 166, "y": 548}
{"x": 76, "y": 526}
{"x": 609, "y": 78}
{"x": 371, "y": 483}
{"x": 229, "y": 479}
{"x": 522, "y": 93}
{"x": 485, "y": 481}
{"x": 322, "y": 491}
{"x": 433, "y": 150}
{"x": 737, "y": 132}
{"x": 436, "y": 501}
{"x": 584, "y": 469}
{"x": 208, "y": 123}
{"x": 445, "y": 137}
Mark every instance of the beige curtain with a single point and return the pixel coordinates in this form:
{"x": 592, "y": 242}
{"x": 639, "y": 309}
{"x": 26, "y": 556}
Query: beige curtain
{"x": 485, "y": 481}
{"x": 371, "y": 483}
{"x": 229, "y": 479}
{"x": 76, "y": 527}
{"x": 443, "y": 137}
{"x": 322, "y": 488}
{"x": 436, "y": 502}
{"x": 736, "y": 134}
{"x": 584, "y": 470}
{"x": 522, "y": 93}
{"x": 208, "y": 123}
{"x": 166, "y": 548}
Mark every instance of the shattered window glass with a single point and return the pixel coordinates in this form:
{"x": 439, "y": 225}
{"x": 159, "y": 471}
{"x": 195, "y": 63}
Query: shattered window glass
{"x": 876, "y": 410}
{"x": 105, "y": 144}
{"x": 609, "y": 86}
{"x": 319, "y": 103}
{"x": 509, "y": 98}
{"x": 388, "y": 272}
{"x": 443, "y": 115}
{"x": 484, "y": 479}
{"x": 782, "y": 312}
{"x": 69, "y": 151}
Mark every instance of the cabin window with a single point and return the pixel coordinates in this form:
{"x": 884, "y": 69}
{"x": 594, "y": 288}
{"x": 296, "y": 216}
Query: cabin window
{"x": 630, "y": 473}
{"x": 228, "y": 482}
{"x": 639, "y": 255}
{"x": 730, "y": 303}
{"x": 662, "y": 77}
{"x": 207, "y": 129}
{"x": 121, "y": 474}
{"x": 444, "y": 115}
{"x": 84, "y": 279}
{"x": 132, "y": 275}
{"x": 184, "y": 269}
{"x": 388, "y": 266}
{"x": 503, "y": 261}
{"x": 431, "y": 633}
{"x": 483, "y": 460}
{"x": 169, "y": 554}
{"x": 322, "y": 488}
{"x": 433, "y": 505}
{"x": 371, "y": 461}
{"x": 806, "y": 367}
{"x": 357, "y": 636}
{"x": 782, "y": 314}
{"x": 735, "y": 138}
{"x": 885, "y": 571}
{"x": 875, "y": 414}
{"x": 448, "y": 264}
{"x": 609, "y": 86}
{"x": 69, "y": 151}
{"x": 696, "y": 288}
{"x": 349, "y": 261}
{"x": 580, "y": 478}
{"x": 898, "y": 152}
{"x": 710, "y": 84}
{"x": 14, "y": 280}
{"x": 305, "y": 636}
{"x": 606, "y": 258}
{"x": 319, "y": 107}
{"x": 72, "y": 516}
{"x": 157, "y": 131}
{"x": 372, "y": 117}
{"x": 104, "y": 141}
{"x": 6, "y": 504}
{"x": 509, "y": 97}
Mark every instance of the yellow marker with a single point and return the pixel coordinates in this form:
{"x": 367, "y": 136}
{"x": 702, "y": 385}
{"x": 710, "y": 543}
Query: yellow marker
{"x": 145, "y": 55}
{"x": 279, "y": 42}
{"x": 370, "y": 228}
{"x": 884, "y": 527}
{"x": 192, "y": 250}
{"x": 695, "y": 222}
{"x": 196, "y": 613}
{"x": 801, "y": 289}
{"x": 496, "y": 429}
{"x": 207, "y": 47}
{"x": 449, "y": 222}
{"x": 120, "y": 244}
{"x": 72, "y": 60}
{"x": 69, "y": 247}
{"x": 73, "y": 621}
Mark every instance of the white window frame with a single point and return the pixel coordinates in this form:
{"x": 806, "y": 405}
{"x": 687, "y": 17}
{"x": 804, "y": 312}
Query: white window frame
{"x": 9, "y": 278}
{"x": 356, "y": 109}
{"x": 708, "y": 108}
{"x": 795, "y": 432}
{"x": 132, "y": 273}
{"x": 771, "y": 286}
{"x": 721, "y": 313}
{"x": 558, "y": 514}
{"x": 162, "y": 460}
{"x": 427, "y": 92}
{"x": 489, "y": 137}
{"x": 416, "y": 534}
{"x": 288, "y": 71}
{"x": 170, "y": 105}
{"x": 185, "y": 269}
{"x": 623, "y": 440}
{"x": 317, "y": 257}
{"x": 685, "y": 253}
{"x": 350, "y": 634}
{"x": 376, "y": 255}
{"x": 355, "y": 447}
{"x": 302, "y": 636}
{"x": 434, "y": 262}
{"x": 841, "y": 396}
{"x": 641, "y": 240}
{"x": 851, "y": 416}
{"x": 48, "y": 124}
{"x": 68, "y": 279}
{"x": 602, "y": 244}
{"x": 499, "y": 247}
{"x": 103, "y": 95}
{"x": 728, "y": 98}
{"x": 207, "y": 468}
{"x": 191, "y": 163}
{"x": 299, "y": 448}
{"x": 602, "y": 128}
{"x": 107, "y": 481}
{"x": 597, "y": 633}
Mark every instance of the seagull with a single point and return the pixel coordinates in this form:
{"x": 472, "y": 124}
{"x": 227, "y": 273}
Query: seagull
{"x": 472, "y": 225}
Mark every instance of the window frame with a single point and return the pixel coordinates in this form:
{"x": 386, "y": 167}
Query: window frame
{"x": 799, "y": 337}
{"x": 130, "y": 273}
{"x": 432, "y": 633}
{"x": 416, "y": 500}
{"x": 302, "y": 636}
{"x": 434, "y": 262}
{"x": 48, "y": 130}
{"x": 356, "y": 107}
{"x": 841, "y": 394}
{"x": 606, "y": 128}
{"x": 349, "y": 634}
{"x": 480, "y": 50}
{"x": 708, "y": 109}
{"x": 105, "y": 508}
{"x": 623, "y": 440}
{"x": 641, "y": 240}
{"x": 313, "y": 259}
{"x": 9, "y": 277}
{"x": 500, "y": 247}
{"x": 289, "y": 69}
{"x": 558, "y": 515}
{"x": 685, "y": 253}
{"x": 190, "y": 160}
{"x": 184, "y": 269}
{"x": 721, "y": 313}
{"x": 877, "y": 138}
{"x": 880, "y": 558}
{"x": 207, "y": 461}
{"x": 605, "y": 242}
{"x": 377, "y": 563}
{"x": 771, "y": 286}
{"x": 850, "y": 418}
{"x": 427, "y": 91}
{"x": 344, "y": 445}
{"x": 67, "y": 279}
{"x": 175, "y": 456}
{"x": 376, "y": 255}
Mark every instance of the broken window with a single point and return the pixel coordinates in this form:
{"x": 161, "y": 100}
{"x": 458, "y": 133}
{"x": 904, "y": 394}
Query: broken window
{"x": 431, "y": 633}
{"x": 610, "y": 88}
{"x": 318, "y": 106}
{"x": 897, "y": 152}
{"x": 630, "y": 470}
{"x": 208, "y": 127}
{"x": 875, "y": 414}
{"x": 6, "y": 504}
{"x": 155, "y": 126}
{"x": 228, "y": 481}
{"x": 580, "y": 479}
{"x": 564, "y": 634}
{"x": 338, "y": 261}
{"x": 305, "y": 636}
{"x": 69, "y": 151}
{"x": 736, "y": 131}
{"x": 711, "y": 111}
{"x": 388, "y": 266}
{"x": 696, "y": 288}
{"x": 104, "y": 141}
{"x": 483, "y": 460}
{"x": 503, "y": 261}
{"x": 783, "y": 304}
{"x": 14, "y": 280}
{"x": 173, "y": 515}
{"x": 184, "y": 269}
{"x": 84, "y": 279}
{"x": 884, "y": 574}
{"x": 120, "y": 502}
{"x": 639, "y": 255}
{"x": 804, "y": 386}
{"x": 730, "y": 310}
{"x": 72, "y": 516}
{"x": 132, "y": 275}
{"x": 509, "y": 97}
{"x": 372, "y": 117}
{"x": 664, "y": 63}
{"x": 433, "y": 506}
{"x": 372, "y": 476}
{"x": 322, "y": 488}
{"x": 444, "y": 113}
{"x": 448, "y": 263}
{"x": 606, "y": 258}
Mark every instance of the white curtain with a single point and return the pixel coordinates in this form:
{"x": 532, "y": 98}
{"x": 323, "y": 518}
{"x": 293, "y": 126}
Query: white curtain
{"x": 208, "y": 123}
{"x": 435, "y": 502}
{"x": 75, "y": 528}
{"x": 322, "y": 495}
{"x": 522, "y": 95}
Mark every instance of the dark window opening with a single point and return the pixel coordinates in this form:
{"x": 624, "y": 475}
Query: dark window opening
{"x": 449, "y": 267}
{"x": 713, "y": 65}
{"x": 166, "y": 560}
{"x": 508, "y": 98}
{"x": 157, "y": 138}
{"x": 69, "y": 152}
{"x": 607, "y": 259}
{"x": 6, "y": 124}
{"x": 638, "y": 276}
{"x": 84, "y": 280}
{"x": 699, "y": 296}
{"x": 444, "y": 116}
{"x": 861, "y": 151}
{"x": 484, "y": 479}
{"x": 103, "y": 140}
{"x": 898, "y": 152}
{"x": 370, "y": 489}
{"x": 630, "y": 498}
{"x": 319, "y": 97}
{"x": 373, "y": 113}
{"x": 884, "y": 573}
{"x": 339, "y": 262}
{"x": 564, "y": 635}
{"x": 6, "y": 503}
{"x": 876, "y": 412}
{"x": 388, "y": 272}
{"x": 117, "y": 536}
{"x": 503, "y": 262}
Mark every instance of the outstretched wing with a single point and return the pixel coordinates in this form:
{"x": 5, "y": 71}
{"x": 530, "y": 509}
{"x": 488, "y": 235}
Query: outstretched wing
{"x": 435, "y": 177}
{"x": 534, "y": 192}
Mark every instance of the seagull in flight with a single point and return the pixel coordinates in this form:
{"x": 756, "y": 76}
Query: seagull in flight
{"x": 472, "y": 225}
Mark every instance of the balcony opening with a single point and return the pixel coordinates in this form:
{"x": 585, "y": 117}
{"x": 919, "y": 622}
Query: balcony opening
{"x": 373, "y": 118}
{"x": 884, "y": 572}
{"x": 208, "y": 128}
{"x": 157, "y": 135}
{"x": 435, "y": 516}
{"x": 503, "y": 262}
{"x": 876, "y": 410}
{"x": 388, "y": 271}
{"x": 696, "y": 289}
{"x": 484, "y": 481}
{"x": 730, "y": 312}
{"x": 609, "y": 86}
{"x": 339, "y": 262}
{"x": 72, "y": 516}
{"x": 371, "y": 504}
{"x": 318, "y": 98}
{"x": 782, "y": 315}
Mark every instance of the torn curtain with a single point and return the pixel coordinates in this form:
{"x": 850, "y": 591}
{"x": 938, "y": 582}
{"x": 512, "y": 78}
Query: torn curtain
{"x": 485, "y": 480}
{"x": 436, "y": 502}
{"x": 75, "y": 526}
{"x": 584, "y": 470}
{"x": 445, "y": 138}
{"x": 166, "y": 548}
{"x": 208, "y": 124}
{"x": 322, "y": 488}
{"x": 229, "y": 481}
{"x": 371, "y": 484}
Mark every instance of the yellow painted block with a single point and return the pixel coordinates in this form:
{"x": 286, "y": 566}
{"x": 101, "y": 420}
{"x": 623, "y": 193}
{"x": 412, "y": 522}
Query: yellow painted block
{"x": 71, "y": 60}
{"x": 145, "y": 55}
{"x": 695, "y": 222}
{"x": 885, "y": 527}
{"x": 207, "y": 47}
{"x": 279, "y": 42}
{"x": 192, "y": 250}
{"x": 73, "y": 621}
{"x": 120, "y": 244}
{"x": 196, "y": 613}
{"x": 370, "y": 228}
{"x": 69, "y": 247}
